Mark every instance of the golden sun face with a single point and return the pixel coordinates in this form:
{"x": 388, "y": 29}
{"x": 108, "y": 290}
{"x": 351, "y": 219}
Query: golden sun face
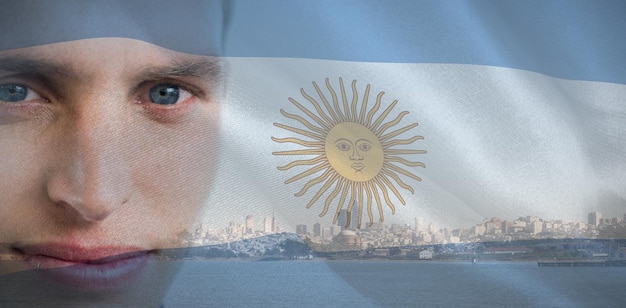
{"x": 353, "y": 151}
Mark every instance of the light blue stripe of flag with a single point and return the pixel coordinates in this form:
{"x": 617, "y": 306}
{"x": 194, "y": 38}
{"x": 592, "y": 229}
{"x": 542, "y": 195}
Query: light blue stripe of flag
{"x": 582, "y": 40}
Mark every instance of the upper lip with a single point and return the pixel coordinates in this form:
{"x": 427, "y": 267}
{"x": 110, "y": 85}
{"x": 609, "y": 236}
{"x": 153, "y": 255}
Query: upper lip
{"x": 82, "y": 254}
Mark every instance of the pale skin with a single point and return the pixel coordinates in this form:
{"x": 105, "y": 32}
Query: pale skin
{"x": 89, "y": 159}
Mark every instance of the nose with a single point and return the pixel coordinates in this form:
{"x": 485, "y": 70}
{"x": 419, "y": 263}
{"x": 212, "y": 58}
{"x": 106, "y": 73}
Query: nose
{"x": 355, "y": 154}
{"x": 90, "y": 177}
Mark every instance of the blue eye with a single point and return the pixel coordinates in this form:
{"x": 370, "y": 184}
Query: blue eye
{"x": 13, "y": 92}
{"x": 164, "y": 94}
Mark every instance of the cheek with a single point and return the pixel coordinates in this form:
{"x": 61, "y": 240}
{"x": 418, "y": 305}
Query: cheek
{"x": 21, "y": 178}
{"x": 177, "y": 166}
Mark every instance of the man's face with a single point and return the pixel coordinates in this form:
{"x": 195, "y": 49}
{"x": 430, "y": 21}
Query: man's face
{"x": 107, "y": 146}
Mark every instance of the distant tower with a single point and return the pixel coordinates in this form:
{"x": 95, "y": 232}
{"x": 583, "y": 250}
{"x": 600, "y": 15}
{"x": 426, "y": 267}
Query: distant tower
{"x": 432, "y": 228}
{"x": 317, "y": 229}
{"x": 594, "y": 218}
{"x": 274, "y": 223}
{"x": 326, "y": 233}
{"x": 342, "y": 220}
{"x": 419, "y": 224}
{"x": 249, "y": 224}
{"x": 267, "y": 225}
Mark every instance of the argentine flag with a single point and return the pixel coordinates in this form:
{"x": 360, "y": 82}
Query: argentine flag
{"x": 520, "y": 106}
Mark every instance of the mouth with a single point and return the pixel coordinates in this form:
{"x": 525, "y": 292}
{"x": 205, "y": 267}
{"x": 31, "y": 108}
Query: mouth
{"x": 357, "y": 166}
{"x": 90, "y": 269}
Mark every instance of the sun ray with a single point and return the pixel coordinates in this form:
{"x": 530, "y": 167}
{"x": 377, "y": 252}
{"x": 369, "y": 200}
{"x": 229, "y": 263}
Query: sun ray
{"x": 340, "y": 114}
{"x": 355, "y": 97}
{"x": 391, "y": 143}
{"x": 309, "y": 113}
{"x": 398, "y": 169}
{"x": 405, "y": 162}
{"x": 300, "y": 142}
{"x": 300, "y": 132}
{"x": 344, "y": 99}
{"x": 308, "y": 172}
{"x": 326, "y": 104}
{"x": 306, "y": 162}
{"x": 342, "y": 200}
{"x": 382, "y": 116}
{"x": 332, "y": 196}
{"x": 317, "y": 107}
{"x": 299, "y": 152}
{"x": 370, "y": 114}
{"x": 322, "y": 190}
{"x": 397, "y": 132}
{"x": 389, "y": 124}
{"x": 302, "y": 120}
{"x": 314, "y": 182}
{"x": 398, "y": 180}
{"x": 351, "y": 204}
{"x": 378, "y": 203}
{"x": 386, "y": 196}
{"x": 402, "y": 151}
{"x": 364, "y": 104}
{"x": 392, "y": 187}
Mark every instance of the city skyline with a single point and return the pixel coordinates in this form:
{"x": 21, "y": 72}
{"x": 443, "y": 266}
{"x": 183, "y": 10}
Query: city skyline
{"x": 292, "y": 225}
{"x": 422, "y": 232}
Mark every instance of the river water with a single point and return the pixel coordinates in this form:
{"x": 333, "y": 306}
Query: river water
{"x": 350, "y": 284}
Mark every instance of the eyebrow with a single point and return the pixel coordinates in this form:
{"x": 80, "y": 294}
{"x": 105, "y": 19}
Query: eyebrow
{"x": 40, "y": 68}
{"x": 205, "y": 68}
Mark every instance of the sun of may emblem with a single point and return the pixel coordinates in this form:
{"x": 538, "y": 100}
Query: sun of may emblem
{"x": 353, "y": 149}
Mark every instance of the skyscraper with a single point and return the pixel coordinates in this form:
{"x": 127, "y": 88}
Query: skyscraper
{"x": 274, "y": 223}
{"x": 250, "y": 224}
{"x": 419, "y": 224}
{"x": 317, "y": 229}
{"x": 354, "y": 217}
{"x": 594, "y": 218}
{"x": 267, "y": 225}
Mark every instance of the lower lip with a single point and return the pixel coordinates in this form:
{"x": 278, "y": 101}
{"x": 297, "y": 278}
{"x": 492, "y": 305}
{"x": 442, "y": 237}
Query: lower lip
{"x": 91, "y": 276}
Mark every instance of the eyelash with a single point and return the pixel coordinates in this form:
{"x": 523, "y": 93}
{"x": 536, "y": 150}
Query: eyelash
{"x": 143, "y": 91}
{"x": 187, "y": 96}
{"x": 30, "y": 106}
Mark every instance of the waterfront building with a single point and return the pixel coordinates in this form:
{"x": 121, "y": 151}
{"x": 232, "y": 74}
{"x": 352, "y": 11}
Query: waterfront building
{"x": 348, "y": 239}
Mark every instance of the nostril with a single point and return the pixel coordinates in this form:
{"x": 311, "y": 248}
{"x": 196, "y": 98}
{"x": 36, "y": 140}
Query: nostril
{"x": 88, "y": 212}
{"x": 82, "y": 203}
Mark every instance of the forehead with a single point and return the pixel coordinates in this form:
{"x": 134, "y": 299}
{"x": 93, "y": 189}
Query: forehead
{"x": 193, "y": 27}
